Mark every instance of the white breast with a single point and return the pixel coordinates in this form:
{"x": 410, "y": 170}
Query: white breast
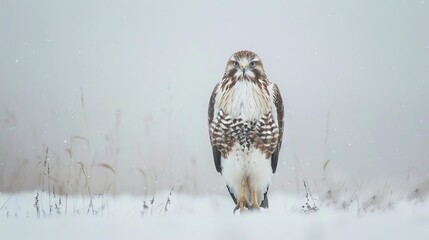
{"x": 246, "y": 100}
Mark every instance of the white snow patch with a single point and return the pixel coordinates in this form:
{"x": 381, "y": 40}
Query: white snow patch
{"x": 207, "y": 217}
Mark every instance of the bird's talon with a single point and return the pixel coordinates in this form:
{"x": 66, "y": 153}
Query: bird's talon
{"x": 235, "y": 209}
{"x": 254, "y": 208}
{"x": 241, "y": 205}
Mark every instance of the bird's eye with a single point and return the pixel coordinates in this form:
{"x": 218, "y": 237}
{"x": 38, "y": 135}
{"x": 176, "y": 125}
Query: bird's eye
{"x": 252, "y": 64}
{"x": 236, "y": 64}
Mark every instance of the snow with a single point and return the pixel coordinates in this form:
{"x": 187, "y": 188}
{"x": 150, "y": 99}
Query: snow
{"x": 207, "y": 217}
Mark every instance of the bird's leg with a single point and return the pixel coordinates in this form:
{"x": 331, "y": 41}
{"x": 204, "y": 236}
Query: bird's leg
{"x": 242, "y": 201}
{"x": 255, "y": 201}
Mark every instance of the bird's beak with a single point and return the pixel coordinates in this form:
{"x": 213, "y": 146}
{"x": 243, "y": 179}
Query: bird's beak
{"x": 243, "y": 67}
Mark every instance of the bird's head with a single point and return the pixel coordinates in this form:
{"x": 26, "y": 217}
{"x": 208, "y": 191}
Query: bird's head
{"x": 244, "y": 65}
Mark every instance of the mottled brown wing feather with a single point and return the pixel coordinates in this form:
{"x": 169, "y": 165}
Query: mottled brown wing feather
{"x": 278, "y": 102}
{"x": 216, "y": 152}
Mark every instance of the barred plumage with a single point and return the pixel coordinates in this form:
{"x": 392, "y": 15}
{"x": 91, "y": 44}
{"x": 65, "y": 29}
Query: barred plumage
{"x": 246, "y": 129}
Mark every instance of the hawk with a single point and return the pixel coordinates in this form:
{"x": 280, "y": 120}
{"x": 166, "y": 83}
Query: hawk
{"x": 246, "y": 128}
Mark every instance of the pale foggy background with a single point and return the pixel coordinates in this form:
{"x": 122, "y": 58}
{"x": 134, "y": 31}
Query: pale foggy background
{"x": 123, "y": 87}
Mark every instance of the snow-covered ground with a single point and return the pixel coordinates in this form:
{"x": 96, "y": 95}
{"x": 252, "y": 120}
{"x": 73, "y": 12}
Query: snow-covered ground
{"x": 202, "y": 217}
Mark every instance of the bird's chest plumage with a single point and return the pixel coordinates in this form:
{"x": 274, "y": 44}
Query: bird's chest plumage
{"x": 245, "y": 100}
{"x": 244, "y": 121}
